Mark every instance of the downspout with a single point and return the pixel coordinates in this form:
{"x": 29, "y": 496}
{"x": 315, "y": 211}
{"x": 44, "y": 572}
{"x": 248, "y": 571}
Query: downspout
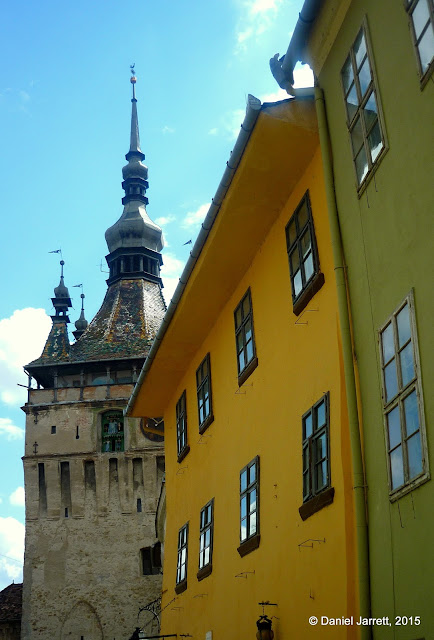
{"x": 359, "y": 479}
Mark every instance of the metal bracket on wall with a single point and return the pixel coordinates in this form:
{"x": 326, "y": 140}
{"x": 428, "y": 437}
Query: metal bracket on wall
{"x": 297, "y": 322}
{"x": 244, "y": 574}
{"x": 181, "y": 470}
{"x": 204, "y": 435}
{"x": 312, "y": 540}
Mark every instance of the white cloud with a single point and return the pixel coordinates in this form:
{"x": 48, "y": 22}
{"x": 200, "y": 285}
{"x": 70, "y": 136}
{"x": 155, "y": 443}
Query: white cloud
{"x": 22, "y": 339}
{"x": 257, "y": 17}
{"x": 280, "y": 94}
{"x": 11, "y": 546}
{"x": 17, "y": 497}
{"x": 213, "y": 132}
{"x": 167, "y": 129}
{"x": 170, "y": 273}
{"x": 163, "y": 220}
{"x": 194, "y": 218}
{"x": 10, "y": 430}
{"x": 303, "y": 76}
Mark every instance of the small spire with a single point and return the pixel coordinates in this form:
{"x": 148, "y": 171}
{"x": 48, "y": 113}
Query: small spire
{"x": 135, "y": 150}
{"x": 61, "y": 300}
{"x": 81, "y": 324}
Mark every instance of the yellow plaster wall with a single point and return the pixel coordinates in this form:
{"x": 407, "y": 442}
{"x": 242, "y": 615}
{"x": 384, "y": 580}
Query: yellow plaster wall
{"x": 299, "y": 361}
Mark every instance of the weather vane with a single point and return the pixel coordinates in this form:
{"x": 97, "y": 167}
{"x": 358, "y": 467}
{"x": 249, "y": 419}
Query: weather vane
{"x": 133, "y": 78}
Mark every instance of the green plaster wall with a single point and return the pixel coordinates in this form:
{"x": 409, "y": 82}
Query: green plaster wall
{"x": 388, "y": 245}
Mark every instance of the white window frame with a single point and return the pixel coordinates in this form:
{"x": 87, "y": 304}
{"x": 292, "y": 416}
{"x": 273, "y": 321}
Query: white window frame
{"x": 363, "y": 99}
{"x": 410, "y": 7}
{"x": 398, "y": 399}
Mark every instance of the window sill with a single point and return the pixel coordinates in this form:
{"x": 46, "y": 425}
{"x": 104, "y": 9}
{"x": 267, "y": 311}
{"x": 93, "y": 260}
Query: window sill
{"x": 311, "y": 289}
{"x": 402, "y": 491}
{"x": 249, "y": 545}
{"x": 205, "y": 424}
{"x": 247, "y": 371}
{"x": 181, "y": 586}
{"x": 183, "y": 453}
{"x": 205, "y": 571}
{"x": 316, "y": 503}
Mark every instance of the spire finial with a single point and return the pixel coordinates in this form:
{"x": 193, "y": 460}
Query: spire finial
{"x": 133, "y": 79}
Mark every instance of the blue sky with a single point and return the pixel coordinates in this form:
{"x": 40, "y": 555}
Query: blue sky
{"x": 64, "y": 123}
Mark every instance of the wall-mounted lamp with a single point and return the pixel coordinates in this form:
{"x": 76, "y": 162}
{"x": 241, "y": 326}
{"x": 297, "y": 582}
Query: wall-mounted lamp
{"x": 264, "y": 631}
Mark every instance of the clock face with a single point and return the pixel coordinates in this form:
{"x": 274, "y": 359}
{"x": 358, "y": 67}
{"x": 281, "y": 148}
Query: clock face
{"x": 152, "y": 428}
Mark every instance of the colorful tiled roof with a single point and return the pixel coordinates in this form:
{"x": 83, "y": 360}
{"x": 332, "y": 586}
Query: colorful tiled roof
{"x": 11, "y": 603}
{"x": 125, "y": 325}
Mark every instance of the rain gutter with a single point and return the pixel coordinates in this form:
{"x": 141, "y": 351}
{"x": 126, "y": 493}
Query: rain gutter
{"x": 252, "y": 113}
{"x": 282, "y": 70}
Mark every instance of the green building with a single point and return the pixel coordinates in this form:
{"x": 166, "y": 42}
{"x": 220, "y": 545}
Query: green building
{"x": 373, "y": 61}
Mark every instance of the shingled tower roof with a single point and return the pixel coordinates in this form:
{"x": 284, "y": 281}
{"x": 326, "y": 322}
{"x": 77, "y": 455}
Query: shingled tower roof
{"x": 133, "y": 307}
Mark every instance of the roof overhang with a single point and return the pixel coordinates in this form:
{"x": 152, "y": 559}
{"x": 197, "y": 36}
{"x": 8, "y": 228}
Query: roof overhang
{"x": 280, "y": 147}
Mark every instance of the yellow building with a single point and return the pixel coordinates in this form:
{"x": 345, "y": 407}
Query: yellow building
{"x": 248, "y": 372}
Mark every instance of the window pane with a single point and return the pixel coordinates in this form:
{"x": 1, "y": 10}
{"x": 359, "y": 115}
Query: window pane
{"x": 387, "y": 343}
{"x": 308, "y": 267}
{"x": 394, "y": 428}
{"x": 252, "y": 499}
{"x": 248, "y": 330}
{"x": 238, "y": 317}
{"x": 207, "y": 537}
{"x": 243, "y": 481}
{"x": 414, "y": 450}
{"x": 298, "y": 285}
{"x": 183, "y": 556}
{"x": 357, "y": 136}
{"x": 360, "y": 48}
{"x": 364, "y": 77}
{"x": 321, "y": 475}
{"x": 396, "y": 468}
{"x": 246, "y": 306}
{"x": 352, "y": 102}
{"x": 320, "y": 415}
{"x": 307, "y": 426}
{"x": 303, "y": 216}
{"x": 411, "y": 413}
{"x": 407, "y": 366}
{"x": 249, "y": 350}
{"x": 241, "y": 361}
{"x": 305, "y": 243}
{"x": 243, "y": 509}
{"x": 243, "y": 535}
{"x": 305, "y": 458}
{"x": 292, "y": 233}
{"x": 252, "y": 474}
{"x": 347, "y": 74}
{"x": 252, "y": 528}
{"x": 295, "y": 260}
{"x": 206, "y": 556}
{"x": 420, "y": 17}
{"x": 391, "y": 381}
{"x": 426, "y": 48}
{"x": 375, "y": 141}
{"x": 403, "y": 323}
{"x": 321, "y": 447}
{"x": 370, "y": 111}
{"x": 361, "y": 165}
{"x": 208, "y": 514}
{"x": 306, "y": 484}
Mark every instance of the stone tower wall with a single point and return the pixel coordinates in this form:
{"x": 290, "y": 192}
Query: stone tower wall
{"x": 88, "y": 515}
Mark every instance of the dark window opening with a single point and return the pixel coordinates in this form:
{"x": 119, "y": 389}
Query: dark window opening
{"x": 112, "y": 425}
{"x": 151, "y": 560}
{"x": 181, "y": 426}
{"x": 139, "y": 505}
{"x": 53, "y": 429}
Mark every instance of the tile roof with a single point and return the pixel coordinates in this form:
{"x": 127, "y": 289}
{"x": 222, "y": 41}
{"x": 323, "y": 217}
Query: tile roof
{"x": 11, "y": 603}
{"x": 124, "y": 327}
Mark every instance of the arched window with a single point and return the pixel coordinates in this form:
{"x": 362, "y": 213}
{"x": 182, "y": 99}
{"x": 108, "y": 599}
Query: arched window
{"x": 112, "y": 427}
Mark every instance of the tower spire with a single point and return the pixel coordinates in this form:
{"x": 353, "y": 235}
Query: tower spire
{"x": 134, "y": 241}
